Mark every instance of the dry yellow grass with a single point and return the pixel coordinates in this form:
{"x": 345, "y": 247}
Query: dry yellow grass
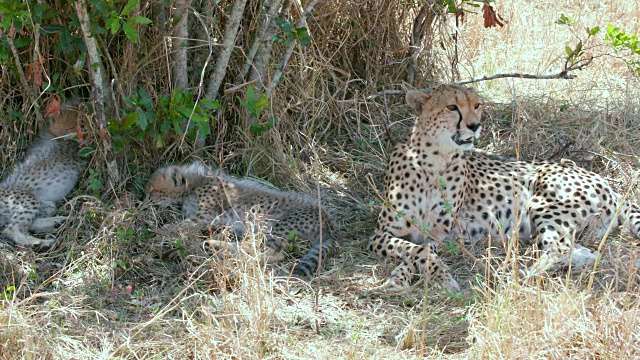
{"x": 103, "y": 293}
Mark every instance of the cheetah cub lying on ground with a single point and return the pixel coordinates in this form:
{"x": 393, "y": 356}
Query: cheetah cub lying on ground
{"x": 215, "y": 199}
{"x": 436, "y": 192}
{"x": 49, "y": 172}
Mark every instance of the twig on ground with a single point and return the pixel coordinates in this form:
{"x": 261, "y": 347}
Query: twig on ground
{"x": 228, "y": 44}
{"x": 287, "y": 54}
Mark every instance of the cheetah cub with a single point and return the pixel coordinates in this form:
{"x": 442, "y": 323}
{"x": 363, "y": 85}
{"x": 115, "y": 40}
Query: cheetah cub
{"x": 434, "y": 191}
{"x": 213, "y": 198}
{"x": 49, "y": 172}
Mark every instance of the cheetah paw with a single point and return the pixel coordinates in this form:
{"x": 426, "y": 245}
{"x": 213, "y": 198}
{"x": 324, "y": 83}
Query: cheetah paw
{"x": 451, "y": 285}
{"x": 395, "y": 285}
{"x": 43, "y": 245}
{"x": 48, "y": 224}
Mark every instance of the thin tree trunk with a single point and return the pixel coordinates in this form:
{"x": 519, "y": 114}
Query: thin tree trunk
{"x": 423, "y": 20}
{"x": 264, "y": 35}
{"x": 228, "y": 44}
{"x": 179, "y": 42}
{"x": 101, "y": 90}
{"x": 28, "y": 94}
{"x": 263, "y": 56}
{"x": 289, "y": 50}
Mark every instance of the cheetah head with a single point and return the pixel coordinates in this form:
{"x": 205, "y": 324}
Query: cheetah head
{"x": 166, "y": 186}
{"x": 69, "y": 122}
{"x": 450, "y": 114}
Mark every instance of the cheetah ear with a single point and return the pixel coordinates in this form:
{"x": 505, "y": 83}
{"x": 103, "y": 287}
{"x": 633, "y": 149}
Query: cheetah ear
{"x": 176, "y": 177}
{"x": 416, "y": 100}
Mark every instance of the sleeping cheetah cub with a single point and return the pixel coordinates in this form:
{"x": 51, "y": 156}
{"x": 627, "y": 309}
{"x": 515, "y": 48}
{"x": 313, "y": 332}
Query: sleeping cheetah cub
{"x": 49, "y": 172}
{"x": 434, "y": 191}
{"x": 213, "y": 198}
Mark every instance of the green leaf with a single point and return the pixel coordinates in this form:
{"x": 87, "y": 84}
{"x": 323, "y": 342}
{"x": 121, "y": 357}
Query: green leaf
{"x": 285, "y": 25}
{"x": 262, "y": 102}
{"x": 593, "y": 31}
{"x": 130, "y": 31}
{"x": 130, "y": 5}
{"x": 204, "y": 129}
{"x": 209, "y": 105}
{"x": 578, "y": 49}
{"x": 302, "y": 34}
{"x": 259, "y": 129}
{"x": 50, "y": 29}
{"x": 85, "y": 152}
{"x": 569, "y": 51}
{"x": 142, "y": 120}
{"x": 129, "y": 120}
{"x": 65, "y": 45}
{"x": 113, "y": 23}
{"x": 140, "y": 20}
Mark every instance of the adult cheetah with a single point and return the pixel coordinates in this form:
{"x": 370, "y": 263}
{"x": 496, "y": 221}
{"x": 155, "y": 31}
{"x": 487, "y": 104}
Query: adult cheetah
{"x": 213, "y": 198}
{"x": 49, "y": 172}
{"x": 434, "y": 191}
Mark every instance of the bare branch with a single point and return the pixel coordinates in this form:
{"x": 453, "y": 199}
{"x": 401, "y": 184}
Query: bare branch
{"x": 561, "y": 75}
{"x": 228, "y": 44}
{"x": 289, "y": 50}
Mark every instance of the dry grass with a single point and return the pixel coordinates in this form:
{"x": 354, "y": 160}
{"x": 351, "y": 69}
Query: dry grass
{"x": 105, "y": 293}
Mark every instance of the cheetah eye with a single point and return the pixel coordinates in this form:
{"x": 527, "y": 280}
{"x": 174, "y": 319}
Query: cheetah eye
{"x": 477, "y": 105}
{"x": 452, "y": 107}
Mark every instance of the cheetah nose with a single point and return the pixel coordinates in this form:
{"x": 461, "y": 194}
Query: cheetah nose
{"x": 474, "y": 126}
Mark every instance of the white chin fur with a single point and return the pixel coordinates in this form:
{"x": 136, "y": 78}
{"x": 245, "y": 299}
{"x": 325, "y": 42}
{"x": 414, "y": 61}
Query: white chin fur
{"x": 468, "y": 146}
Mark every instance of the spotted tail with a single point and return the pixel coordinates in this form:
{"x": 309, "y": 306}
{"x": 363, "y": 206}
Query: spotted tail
{"x": 308, "y": 264}
{"x": 633, "y": 219}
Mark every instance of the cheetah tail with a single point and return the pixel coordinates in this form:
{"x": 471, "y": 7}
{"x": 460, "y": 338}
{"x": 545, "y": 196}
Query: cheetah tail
{"x": 308, "y": 264}
{"x": 633, "y": 219}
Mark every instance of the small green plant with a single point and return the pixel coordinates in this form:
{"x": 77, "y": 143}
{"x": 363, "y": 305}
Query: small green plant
{"x": 116, "y": 20}
{"x": 8, "y": 292}
{"x": 294, "y": 241}
{"x": 622, "y": 42}
{"x": 178, "y": 248}
{"x": 175, "y": 114}
{"x": 291, "y": 33}
{"x": 451, "y": 247}
{"x": 256, "y": 105}
{"x": 95, "y": 182}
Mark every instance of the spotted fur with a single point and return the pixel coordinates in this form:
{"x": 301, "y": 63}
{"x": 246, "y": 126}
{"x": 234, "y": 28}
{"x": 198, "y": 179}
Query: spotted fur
{"x": 49, "y": 172}
{"x": 431, "y": 184}
{"x": 214, "y": 199}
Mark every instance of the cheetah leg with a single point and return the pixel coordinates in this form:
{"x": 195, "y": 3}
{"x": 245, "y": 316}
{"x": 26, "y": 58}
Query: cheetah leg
{"x": 416, "y": 259}
{"x": 47, "y": 225}
{"x": 556, "y": 252}
{"x": 46, "y": 208}
{"x": 14, "y": 234}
